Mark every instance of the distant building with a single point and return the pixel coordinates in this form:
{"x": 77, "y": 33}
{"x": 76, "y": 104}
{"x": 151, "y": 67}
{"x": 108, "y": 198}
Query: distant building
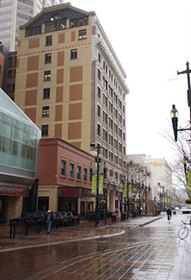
{"x": 158, "y": 178}
{"x": 161, "y": 181}
{"x": 14, "y": 13}
{"x": 19, "y": 140}
{"x": 70, "y": 82}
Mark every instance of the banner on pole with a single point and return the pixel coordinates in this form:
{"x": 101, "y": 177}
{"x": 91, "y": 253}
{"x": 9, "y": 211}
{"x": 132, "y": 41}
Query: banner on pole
{"x": 127, "y": 192}
{"x": 188, "y": 175}
{"x": 94, "y": 184}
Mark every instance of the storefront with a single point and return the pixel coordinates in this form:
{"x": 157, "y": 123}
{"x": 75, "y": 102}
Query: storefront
{"x": 68, "y": 199}
{"x": 19, "y": 140}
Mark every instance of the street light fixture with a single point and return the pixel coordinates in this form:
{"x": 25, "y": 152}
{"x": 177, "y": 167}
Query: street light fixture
{"x": 174, "y": 117}
{"x": 98, "y": 160}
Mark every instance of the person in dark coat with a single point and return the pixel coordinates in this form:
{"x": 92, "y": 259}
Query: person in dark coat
{"x": 169, "y": 214}
{"x": 49, "y": 221}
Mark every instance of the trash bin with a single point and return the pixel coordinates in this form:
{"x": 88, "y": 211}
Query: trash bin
{"x": 174, "y": 212}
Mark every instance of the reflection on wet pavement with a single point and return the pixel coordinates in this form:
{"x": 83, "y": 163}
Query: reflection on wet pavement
{"x": 150, "y": 252}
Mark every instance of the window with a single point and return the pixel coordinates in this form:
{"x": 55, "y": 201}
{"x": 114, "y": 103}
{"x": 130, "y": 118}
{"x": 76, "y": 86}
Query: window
{"x": 63, "y": 167}
{"x": 48, "y": 40}
{"x": 82, "y": 34}
{"x": 47, "y": 75}
{"x": 45, "y": 111}
{"x": 44, "y": 129}
{"x": 110, "y": 123}
{"x": 48, "y": 57}
{"x": 99, "y": 74}
{"x": 78, "y": 22}
{"x": 33, "y": 31}
{"x": 74, "y": 54}
{"x": 105, "y": 100}
{"x": 85, "y": 174}
{"x": 105, "y": 117}
{"x": 99, "y": 57}
{"x": 98, "y": 130}
{"x": 71, "y": 170}
{"x": 79, "y": 172}
{"x": 91, "y": 173}
{"x": 46, "y": 93}
{"x": 98, "y": 111}
{"x": 11, "y": 73}
{"x": 11, "y": 87}
{"x": 111, "y": 140}
{"x": 105, "y": 135}
{"x": 99, "y": 92}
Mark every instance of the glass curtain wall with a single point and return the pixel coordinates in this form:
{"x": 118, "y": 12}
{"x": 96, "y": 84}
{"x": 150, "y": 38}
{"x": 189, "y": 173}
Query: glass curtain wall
{"x": 18, "y": 143}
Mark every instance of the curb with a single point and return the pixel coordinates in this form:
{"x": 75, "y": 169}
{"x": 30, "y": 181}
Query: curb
{"x": 149, "y": 222}
{"x": 61, "y": 242}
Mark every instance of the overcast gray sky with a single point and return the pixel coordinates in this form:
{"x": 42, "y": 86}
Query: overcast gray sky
{"x": 152, "y": 39}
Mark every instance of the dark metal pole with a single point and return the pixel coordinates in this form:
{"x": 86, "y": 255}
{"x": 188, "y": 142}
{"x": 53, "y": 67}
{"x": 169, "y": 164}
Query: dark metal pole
{"x": 127, "y": 201}
{"x": 97, "y": 186}
{"x": 146, "y": 200}
{"x": 187, "y": 72}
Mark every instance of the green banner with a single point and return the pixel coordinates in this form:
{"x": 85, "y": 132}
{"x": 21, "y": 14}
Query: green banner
{"x": 189, "y": 181}
{"x": 127, "y": 191}
{"x": 94, "y": 184}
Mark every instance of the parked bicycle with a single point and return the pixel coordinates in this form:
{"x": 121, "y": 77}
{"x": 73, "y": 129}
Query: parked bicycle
{"x": 184, "y": 230}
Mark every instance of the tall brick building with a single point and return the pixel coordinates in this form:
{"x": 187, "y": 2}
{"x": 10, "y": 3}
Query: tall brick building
{"x": 71, "y": 84}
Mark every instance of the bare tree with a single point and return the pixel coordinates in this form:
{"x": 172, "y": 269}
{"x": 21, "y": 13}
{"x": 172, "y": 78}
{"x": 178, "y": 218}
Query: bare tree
{"x": 182, "y": 158}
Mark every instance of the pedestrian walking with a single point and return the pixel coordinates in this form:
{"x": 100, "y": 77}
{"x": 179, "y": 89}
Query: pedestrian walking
{"x": 169, "y": 214}
{"x": 49, "y": 221}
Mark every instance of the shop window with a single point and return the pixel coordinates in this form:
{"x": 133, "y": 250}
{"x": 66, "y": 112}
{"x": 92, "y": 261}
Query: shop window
{"x": 43, "y": 203}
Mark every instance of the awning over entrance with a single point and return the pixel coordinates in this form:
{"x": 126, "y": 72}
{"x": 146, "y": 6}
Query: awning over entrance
{"x": 12, "y": 191}
{"x": 69, "y": 192}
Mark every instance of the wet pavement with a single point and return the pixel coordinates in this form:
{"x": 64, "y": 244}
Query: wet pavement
{"x": 138, "y": 249}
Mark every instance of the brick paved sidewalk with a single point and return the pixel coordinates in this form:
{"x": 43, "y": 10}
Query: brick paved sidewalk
{"x": 86, "y": 230}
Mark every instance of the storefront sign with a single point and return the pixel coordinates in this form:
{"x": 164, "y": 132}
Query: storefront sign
{"x": 69, "y": 192}
{"x": 11, "y": 191}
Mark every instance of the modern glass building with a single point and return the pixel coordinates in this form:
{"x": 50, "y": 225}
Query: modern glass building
{"x": 19, "y": 140}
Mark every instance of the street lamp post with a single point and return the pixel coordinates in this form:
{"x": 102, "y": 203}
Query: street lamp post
{"x": 174, "y": 112}
{"x": 97, "y": 148}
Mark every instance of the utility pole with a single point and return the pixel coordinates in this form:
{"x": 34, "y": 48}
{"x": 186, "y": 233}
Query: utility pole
{"x": 187, "y": 71}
